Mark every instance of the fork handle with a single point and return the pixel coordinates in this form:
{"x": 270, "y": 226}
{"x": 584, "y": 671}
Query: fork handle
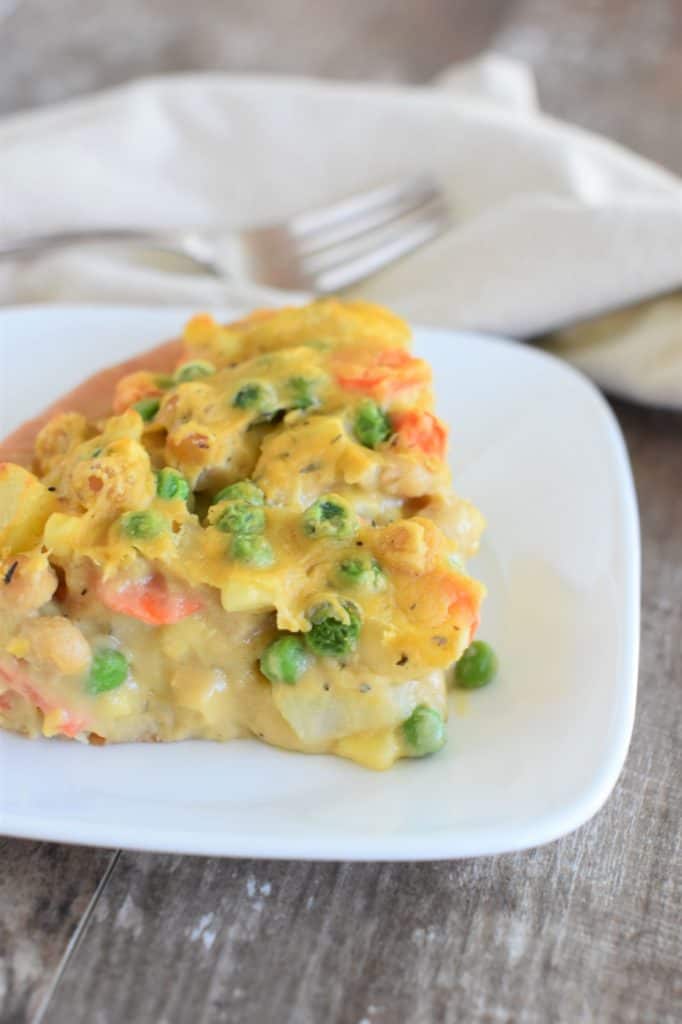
{"x": 59, "y": 239}
{"x": 194, "y": 246}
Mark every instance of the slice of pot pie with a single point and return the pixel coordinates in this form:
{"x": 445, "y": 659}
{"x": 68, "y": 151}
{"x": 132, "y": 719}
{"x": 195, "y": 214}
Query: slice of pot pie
{"x": 262, "y": 541}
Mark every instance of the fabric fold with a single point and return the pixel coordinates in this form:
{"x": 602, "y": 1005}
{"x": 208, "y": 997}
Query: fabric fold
{"x": 552, "y": 225}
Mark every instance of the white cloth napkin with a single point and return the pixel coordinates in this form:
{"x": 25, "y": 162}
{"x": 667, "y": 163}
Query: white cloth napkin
{"x": 552, "y": 224}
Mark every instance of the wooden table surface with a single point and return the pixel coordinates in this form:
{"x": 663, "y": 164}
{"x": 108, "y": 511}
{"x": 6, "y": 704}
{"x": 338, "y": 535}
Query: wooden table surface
{"x": 587, "y": 929}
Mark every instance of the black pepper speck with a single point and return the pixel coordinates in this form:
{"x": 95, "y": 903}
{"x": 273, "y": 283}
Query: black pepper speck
{"x": 10, "y": 573}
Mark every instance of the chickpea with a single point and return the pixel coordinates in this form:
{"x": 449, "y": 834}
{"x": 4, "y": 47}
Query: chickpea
{"x": 27, "y": 582}
{"x": 58, "y": 438}
{"x": 54, "y": 642}
{"x": 458, "y": 519}
{"x": 119, "y": 477}
{"x": 410, "y": 545}
{"x": 405, "y": 476}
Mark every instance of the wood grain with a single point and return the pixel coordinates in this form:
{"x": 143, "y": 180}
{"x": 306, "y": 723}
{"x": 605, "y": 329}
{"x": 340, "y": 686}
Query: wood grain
{"x": 556, "y": 934}
{"x": 585, "y": 930}
{"x": 613, "y": 66}
{"x": 77, "y": 47}
{"x": 45, "y": 890}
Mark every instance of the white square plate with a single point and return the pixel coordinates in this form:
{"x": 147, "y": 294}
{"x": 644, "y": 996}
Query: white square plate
{"x": 529, "y": 758}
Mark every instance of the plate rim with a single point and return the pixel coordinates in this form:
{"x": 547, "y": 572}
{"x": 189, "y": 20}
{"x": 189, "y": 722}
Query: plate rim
{"x": 481, "y": 841}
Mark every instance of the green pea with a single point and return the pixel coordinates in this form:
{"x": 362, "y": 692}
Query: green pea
{"x": 477, "y": 667}
{"x": 329, "y": 636}
{"x": 372, "y": 425}
{"x": 301, "y": 393}
{"x": 244, "y": 490}
{"x": 143, "y": 525}
{"x": 241, "y": 517}
{"x": 193, "y": 371}
{"x": 253, "y": 550}
{"x": 285, "y": 660}
{"x": 260, "y": 398}
{"x": 108, "y": 670}
{"x": 424, "y": 731}
{"x": 170, "y": 484}
{"x": 147, "y": 408}
{"x": 330, "y": 516}
{"x": 361, "y": 572}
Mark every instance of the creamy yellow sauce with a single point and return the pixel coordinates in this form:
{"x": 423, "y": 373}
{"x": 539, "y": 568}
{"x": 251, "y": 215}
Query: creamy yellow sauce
{"x": 275, "y": 400}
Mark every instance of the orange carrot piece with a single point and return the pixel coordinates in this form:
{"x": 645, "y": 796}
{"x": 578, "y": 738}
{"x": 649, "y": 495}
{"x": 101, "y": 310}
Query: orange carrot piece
{"x": 423, "y": 430}
{"x": 464, "y": 601}
{"x": 16, "y": 677}
{"x": 150, "y": 601}
{"x": 380, "y": 374}
{"x": 133, "y": 388}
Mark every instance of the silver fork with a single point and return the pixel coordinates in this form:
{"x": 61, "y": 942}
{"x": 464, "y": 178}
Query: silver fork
{"x": 321, "y": 251}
